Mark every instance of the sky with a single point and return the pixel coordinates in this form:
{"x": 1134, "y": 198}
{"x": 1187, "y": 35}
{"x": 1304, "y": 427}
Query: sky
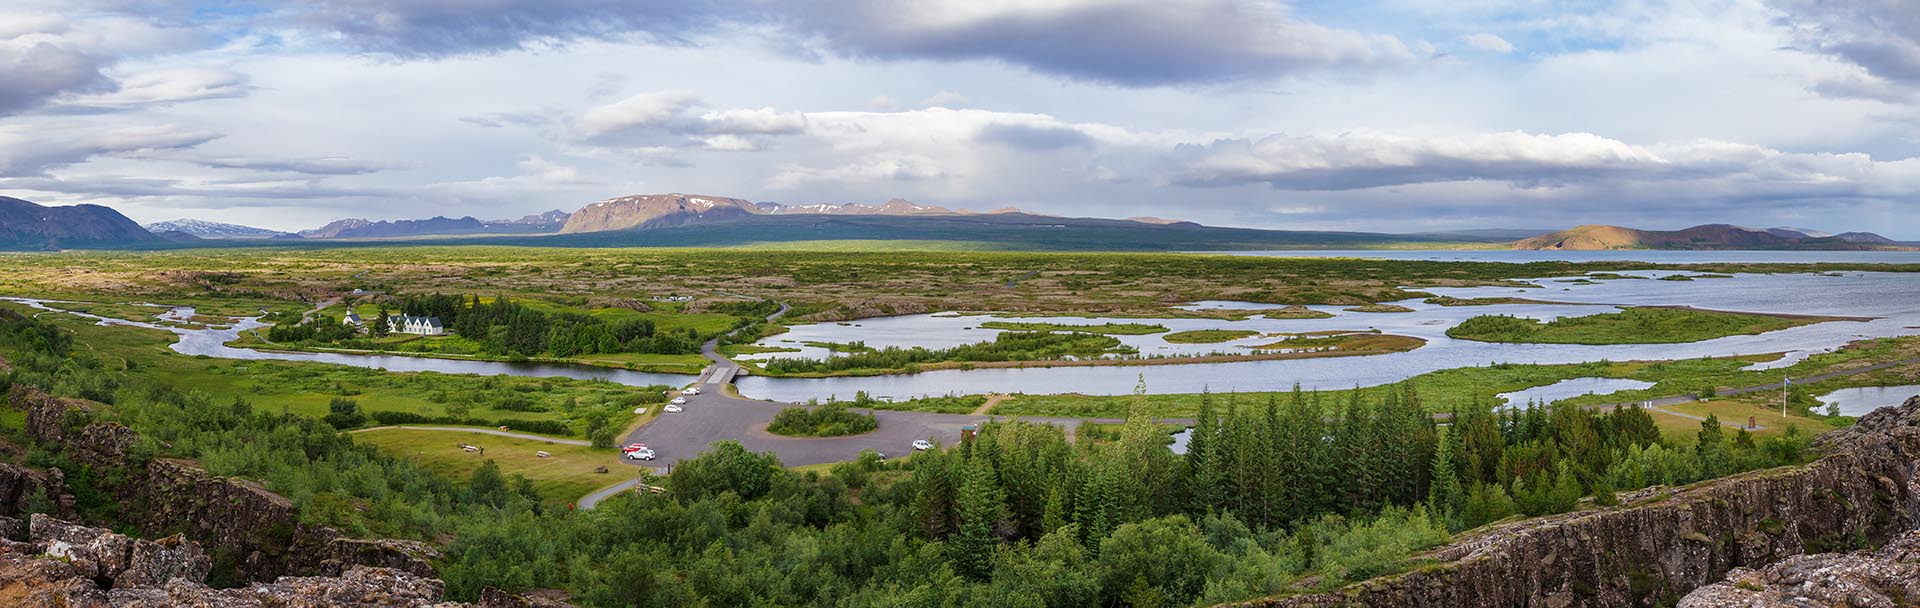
{"x": 1392, "y": 115}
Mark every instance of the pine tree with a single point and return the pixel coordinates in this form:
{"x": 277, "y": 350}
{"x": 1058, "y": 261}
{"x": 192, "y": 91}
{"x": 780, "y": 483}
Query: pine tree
{"x": 1203, "y": 472}
{"x": 1444, "y": 497}
{"x": 982, "y": 510}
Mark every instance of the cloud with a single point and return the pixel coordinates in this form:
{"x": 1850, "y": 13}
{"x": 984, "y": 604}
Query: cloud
{"x": 1126, "y": 42}
{"x": 764, "y": 121}
{"x": 32, "y": 150}
{"x": 440, "y": 28}
{"x": 944, "y": 99}
{"x": 309, "y": 166}
{"x": 164, "y": 86}
{"x": 642, "y": 110}
{"x": 882, "y": 102}
{"x": 871, "y": 168}
{"x": 1488, "y": 42}
{"x": 1881, "y": 37}
{"x": 1031, "y": 137}
{"x": 1371, "y": 159}
{"x": 36, "y": 70}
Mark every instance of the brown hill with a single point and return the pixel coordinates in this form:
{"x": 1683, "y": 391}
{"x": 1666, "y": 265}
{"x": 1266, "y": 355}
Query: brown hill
{"x": 654, "y": 211}
{"x": 26, "y": 225}
{"x": 1710, "y": 236}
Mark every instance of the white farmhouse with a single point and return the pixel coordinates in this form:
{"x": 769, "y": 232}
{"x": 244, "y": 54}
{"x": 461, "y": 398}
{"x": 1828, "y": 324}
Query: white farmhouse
{"x": 352, "y": 318}
{"x": 408, "y": 324}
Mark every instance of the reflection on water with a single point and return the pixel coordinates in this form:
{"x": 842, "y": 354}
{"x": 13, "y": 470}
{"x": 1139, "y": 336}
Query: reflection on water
{"x": 1892, "y": 298}
{"x": 1572, "y": 387}
{"x": 1860, "y": 401}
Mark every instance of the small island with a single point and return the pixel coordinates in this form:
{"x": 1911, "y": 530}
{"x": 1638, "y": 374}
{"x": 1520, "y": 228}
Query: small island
{"x": 1638, "y": 325}
{"x": 1114, "y": 329}
{"x": 1209, "y": 336}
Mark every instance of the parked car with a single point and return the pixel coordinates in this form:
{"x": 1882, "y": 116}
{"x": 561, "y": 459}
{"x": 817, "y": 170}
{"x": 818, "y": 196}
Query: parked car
{"x": 678, "y": 401}
{"x": 691, "y": 390}
{"x": 633, "y": 447}
{"x": 673, "y": 409}
{"x": 922, "y": 445}
{"x": 640, "y": 454}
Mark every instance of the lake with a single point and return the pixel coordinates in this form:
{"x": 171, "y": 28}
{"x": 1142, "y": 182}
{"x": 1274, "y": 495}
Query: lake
{"x": 1860, "y": 401}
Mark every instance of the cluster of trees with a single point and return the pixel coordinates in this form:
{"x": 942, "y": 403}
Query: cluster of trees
{"x": 830, "y": 420}
{"x": 503, "y": 327}
{"x": 1008, "y": 346}
{"x": 319, "y": 328}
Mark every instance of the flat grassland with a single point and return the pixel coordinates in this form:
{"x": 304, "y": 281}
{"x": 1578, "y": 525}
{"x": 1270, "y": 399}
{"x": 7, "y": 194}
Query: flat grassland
{"x": 1638, "y": 325}
{"x": 821, "y": 285}
{"x": 562, "y": 477}
{"x": 1208, "y": 336}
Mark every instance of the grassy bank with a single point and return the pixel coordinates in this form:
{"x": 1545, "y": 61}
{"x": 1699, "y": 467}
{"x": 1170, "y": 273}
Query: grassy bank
{"x": 1209, "y": 336}
{"x": 566, "y": 474}
{"x": 1112, "y": 329}
{"x": 1639, "y": 325}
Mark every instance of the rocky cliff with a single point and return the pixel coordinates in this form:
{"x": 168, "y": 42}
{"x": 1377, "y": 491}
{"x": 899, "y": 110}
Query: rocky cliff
{"x": 59, "y": 564}
{"x": 258, "y": 531}
{"x": 25, "y": 225}
{"x": 655, "y": 211}
{"x": 1887, "y": 577}
{"x": 1662, "y": 544}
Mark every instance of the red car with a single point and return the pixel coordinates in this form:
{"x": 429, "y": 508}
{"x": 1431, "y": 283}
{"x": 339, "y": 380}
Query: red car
{"x": 633, "y": 447}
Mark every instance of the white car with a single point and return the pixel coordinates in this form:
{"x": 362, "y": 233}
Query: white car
{"x": 640, "y": 454}
{"x": 678, "y": 401}
{"x": 691, "y": 390}
{"x": 673, "y": 409}
{"x": 922, "y": 445}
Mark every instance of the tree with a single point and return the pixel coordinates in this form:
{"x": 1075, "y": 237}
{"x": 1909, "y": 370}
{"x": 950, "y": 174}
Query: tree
{"x": 344, "y": 413}
{"x": 487, "y": 486}
{"x": 1444, "y": 496}
{"x": 982, "y": 509}
{"x": 1202, "y": 472}
{"x": 1711, "y": 447}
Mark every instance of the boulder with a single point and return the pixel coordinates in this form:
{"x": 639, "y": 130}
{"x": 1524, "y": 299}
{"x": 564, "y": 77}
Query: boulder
{"x": 1888, "y": 577}
{"x": 119, "y": 561}
{"x": 23, "y": 490}
{"x": 322, "y": 551}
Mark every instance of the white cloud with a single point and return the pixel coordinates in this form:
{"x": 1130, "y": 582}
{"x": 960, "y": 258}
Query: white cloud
{"x": 167, "y": 85}
{"x": 871, "y": 168}
{"x": 1488, "y": 42}
{"x": 764, "y": 121}
{"x": 944, "y": 99}
{"x": 642, "y": 110}
{"x": 30, "y": 150}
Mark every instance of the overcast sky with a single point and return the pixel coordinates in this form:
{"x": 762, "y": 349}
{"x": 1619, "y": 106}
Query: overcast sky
{"x": 1399, "y": 115}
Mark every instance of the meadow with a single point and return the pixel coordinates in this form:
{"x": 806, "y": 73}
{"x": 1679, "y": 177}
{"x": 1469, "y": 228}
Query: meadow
{"x": 1638, "y": 325}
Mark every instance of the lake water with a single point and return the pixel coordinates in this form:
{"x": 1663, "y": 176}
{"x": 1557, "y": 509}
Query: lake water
{"x": 1859, "y": 401}
{"x": 1571, "y": 388}
{"x": 1892, "y": 298}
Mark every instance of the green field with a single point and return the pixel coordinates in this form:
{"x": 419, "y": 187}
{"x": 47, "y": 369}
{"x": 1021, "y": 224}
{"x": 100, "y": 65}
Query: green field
{"x": 1114, "y": 329}
{"x": 1641, "y": 325}
{"x": 563, "y": 477}
{"x": 1208, "y": 336}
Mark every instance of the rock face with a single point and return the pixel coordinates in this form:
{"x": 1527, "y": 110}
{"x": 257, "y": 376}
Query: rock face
{"x": 1665, "y": 543}
{"x": 28, "y": 226}
{"x": 654, "y": 211}
{"x": 23, "y": 489}
{"x": 67, "y": 565}
{"x": 1888, "y": 577}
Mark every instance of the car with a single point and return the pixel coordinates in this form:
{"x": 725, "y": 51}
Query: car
{"x": 633, "y": 447}
{"x": 640, "y": 454}
{"x": 678, "y": 401}
{"x": 691, "y": 390}
{"x": 673, "y": 409}
{"x": 922, "y": 445}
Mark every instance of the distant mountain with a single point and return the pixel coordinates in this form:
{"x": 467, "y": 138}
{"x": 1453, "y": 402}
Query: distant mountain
{"x": 29, "y": 226}
{"x": 176, "y": 236}
{"x": 1710, "y": 236}
{"x": 215, "y": 230}
{"x": 654, "y": 211}
{"x": 1147, "y": 220}
{"x": 544, "y": 223}
{"x": 1797, "y": 233}
{"x": 1865, "y": 237}
{"x": 1017, "y": 231}
{"x": 1486, "y": 234}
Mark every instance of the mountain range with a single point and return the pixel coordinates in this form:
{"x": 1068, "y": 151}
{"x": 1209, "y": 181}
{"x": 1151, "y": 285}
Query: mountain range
{"x": 1709, "y": 236}
{"x": 703, "y": 220}
{"x": 30, "y": 226}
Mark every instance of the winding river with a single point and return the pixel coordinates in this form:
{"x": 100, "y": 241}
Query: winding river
{"x": 1892, "y": 299}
